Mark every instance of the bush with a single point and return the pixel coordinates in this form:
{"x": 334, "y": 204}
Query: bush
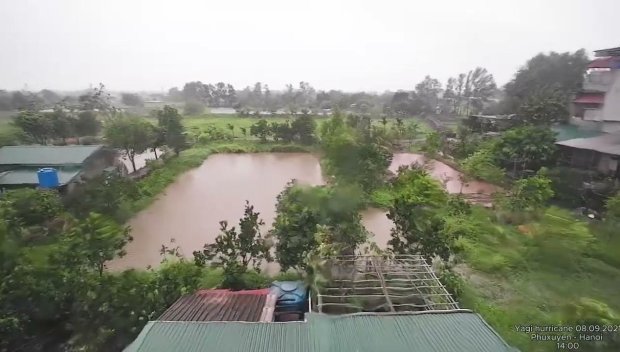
{"x": 193, "y": 108}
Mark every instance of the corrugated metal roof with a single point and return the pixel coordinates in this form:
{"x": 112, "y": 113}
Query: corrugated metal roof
{"x": 28, "y": 176}
{"x": 607, "y": 52}
{"x": 425, "y": 332}
{"x": 590, "y": 98}
{"x": 565, "y": 132}
{"x": 606, "y": 143}
{"x": 45, "y": 155}
{"x": 218, "y": 305}
{"x": 605, "y": 62}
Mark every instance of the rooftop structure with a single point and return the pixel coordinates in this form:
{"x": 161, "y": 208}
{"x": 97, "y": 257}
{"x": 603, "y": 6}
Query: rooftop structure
{"x": 222, "y": 305}
{"x": 19, "y": 164}
{"x": 599, "y": 99}
{"x": 446, "y": 331}
{"x": 381, "y": 284}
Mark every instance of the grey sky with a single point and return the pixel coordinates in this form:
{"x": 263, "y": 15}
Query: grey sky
{"x": 350, "y": 45}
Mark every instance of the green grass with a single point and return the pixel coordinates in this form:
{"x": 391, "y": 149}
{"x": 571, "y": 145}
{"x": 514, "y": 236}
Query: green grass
{"x": 512, "y": 277}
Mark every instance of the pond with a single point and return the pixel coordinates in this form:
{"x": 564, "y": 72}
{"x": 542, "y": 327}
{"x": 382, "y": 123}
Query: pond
{"x": 190, "y": 209}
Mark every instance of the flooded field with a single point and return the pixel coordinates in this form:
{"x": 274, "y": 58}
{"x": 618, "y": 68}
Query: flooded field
{"x": 189, "y": 211}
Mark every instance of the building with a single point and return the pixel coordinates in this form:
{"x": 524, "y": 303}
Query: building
{"x": 369, "y": 303}
{"x": 599, "y": 99}
{"x": 600, "y": 153}
{"x": 19, "y": 164}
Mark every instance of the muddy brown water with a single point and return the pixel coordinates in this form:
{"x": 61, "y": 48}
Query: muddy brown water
{"x": 190, "y": 209}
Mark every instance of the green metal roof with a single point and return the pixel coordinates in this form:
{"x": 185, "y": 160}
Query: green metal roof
{"x": 28, "y": 176}
{"x": 566, "y": 132}
{"x": 46, "y": 155}
{"x": 447, "y": 331}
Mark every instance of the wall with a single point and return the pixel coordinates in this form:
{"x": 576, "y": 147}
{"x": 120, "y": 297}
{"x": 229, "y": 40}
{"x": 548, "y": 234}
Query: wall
{"x": 611, "y": 106}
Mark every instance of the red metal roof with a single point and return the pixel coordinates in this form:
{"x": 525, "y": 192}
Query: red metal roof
{"x": 218, "y": 305}
{"x": 605, "y": 62}
{"x": 589, "y": 98}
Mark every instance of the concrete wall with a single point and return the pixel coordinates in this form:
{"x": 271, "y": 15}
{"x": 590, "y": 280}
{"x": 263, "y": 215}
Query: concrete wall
{"x": 611, "y": 106}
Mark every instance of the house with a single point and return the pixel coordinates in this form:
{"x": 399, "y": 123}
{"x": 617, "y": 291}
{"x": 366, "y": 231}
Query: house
{"x": 19, "y": 164}
{"x": 600, "y": 153}
{"x": 369, "y": 303}
{"x": 599, "y": 99}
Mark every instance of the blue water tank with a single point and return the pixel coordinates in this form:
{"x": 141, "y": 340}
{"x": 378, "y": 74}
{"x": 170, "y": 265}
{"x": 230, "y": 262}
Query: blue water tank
{"x": 48, "y": 178}
{"x": 291, "y": 295}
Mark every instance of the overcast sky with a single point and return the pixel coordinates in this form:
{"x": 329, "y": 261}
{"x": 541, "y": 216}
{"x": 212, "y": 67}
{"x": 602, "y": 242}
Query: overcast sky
{"x": 350, "y": 45}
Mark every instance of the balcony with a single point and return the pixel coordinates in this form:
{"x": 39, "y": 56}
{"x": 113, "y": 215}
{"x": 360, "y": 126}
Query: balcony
{"x": 598, "y": 81}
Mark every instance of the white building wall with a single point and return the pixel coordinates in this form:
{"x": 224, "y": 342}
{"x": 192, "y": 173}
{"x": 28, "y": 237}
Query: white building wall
{"x": 611, "y": 106}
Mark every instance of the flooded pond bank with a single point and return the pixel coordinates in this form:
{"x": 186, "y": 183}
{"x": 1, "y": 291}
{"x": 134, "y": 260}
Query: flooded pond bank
{"x": 190, "y": 209}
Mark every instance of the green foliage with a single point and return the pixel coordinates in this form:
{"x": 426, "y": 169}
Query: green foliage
{"x": 131, "y": 135}
{"x": 529, "y": 194}
{"x": 594, "y": 318}
{"x": 87, "y": 124}
{"x": 612, "y": 206}
{"x": 525, "y": 148}
{"x": 558, "y": 72}
{"x": 31, "y": 207}
{"x": 433, "y": 144}
{"x": 421, "y": 224}
{"x": 481, "y": 165}
{"x": 93, "y": 242}
{"x": 544, "y": 108}
{"x": 35, "y": 126}
{"x": 300, "y": 211}
{"x": 105, "y": 194}
{"x": 304, "y": 128}
{"x": 261, "y": 130}
{"x": 170, "y": 124}
{"x": 236, "y": 251}
{"x": 193, "y": 108}
{"x": 354, "y": 156}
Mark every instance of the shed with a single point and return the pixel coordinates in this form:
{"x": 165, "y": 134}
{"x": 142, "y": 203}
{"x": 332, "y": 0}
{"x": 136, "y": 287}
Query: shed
{"x": 446, "y": 331}
{"x": 600, "y": 153}
{"x": 19, "y": 164}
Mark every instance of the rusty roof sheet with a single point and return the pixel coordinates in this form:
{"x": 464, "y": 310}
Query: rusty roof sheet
{"x": 218, "y": 305}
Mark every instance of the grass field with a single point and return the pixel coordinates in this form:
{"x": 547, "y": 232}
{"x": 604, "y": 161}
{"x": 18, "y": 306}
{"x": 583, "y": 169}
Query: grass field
{"x": 529, "y": 275}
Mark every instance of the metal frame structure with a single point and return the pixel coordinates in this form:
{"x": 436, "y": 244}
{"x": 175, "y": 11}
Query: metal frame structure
{"x": 375, "y": 283}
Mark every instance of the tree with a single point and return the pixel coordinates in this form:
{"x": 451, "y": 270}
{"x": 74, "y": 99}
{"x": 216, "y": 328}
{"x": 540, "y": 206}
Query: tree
{"x": 231, "y": 127}
{"x": 421, "y": 225}
{"x": 529, "y": 194}
{"x": 35, "y": 126}
{"x": 300, "y": 213}
{"x": 480, "y": 165}
{"x": 131, "y": 99}
{"x": 261, "y": 130}
{"x": 131, "y": 135}
{"x": 170, "y": 124}
{"x": 104, "y": 194}
{"x": 93, "y": 242}
{"x": 525, "y": 148}
{"x": 558, "y": 72}
{"x": 98, "y": 100}
{"x": 304, "y": 127}
{"x": 244, "y": 131}
{"x": 87, "y": 124}
{"x": 31, "y": 207}
{"x": 236, "y": 250}
{"x": 63, "y": 124}
{"x": 282, "y": 131}
{"x": 197, "y": 92}
{"x": 427, "y": 92}
{"x": 544, "y": 108}
{"x": 193, "y": 107}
